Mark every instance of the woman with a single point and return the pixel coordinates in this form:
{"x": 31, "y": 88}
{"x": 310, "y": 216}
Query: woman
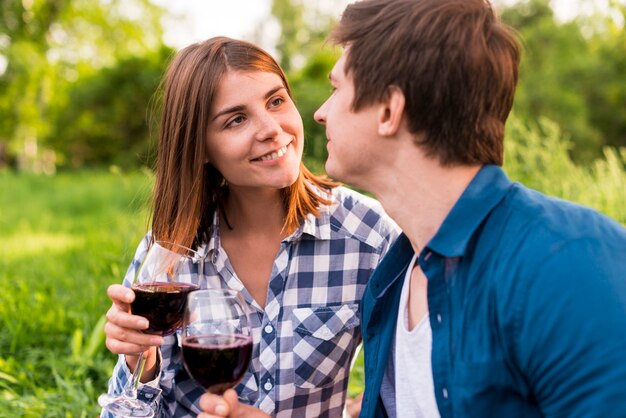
{"x": 230, "y": 183}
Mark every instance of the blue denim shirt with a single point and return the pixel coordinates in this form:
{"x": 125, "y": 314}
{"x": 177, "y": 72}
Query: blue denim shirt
{"x": 527, "y": 302}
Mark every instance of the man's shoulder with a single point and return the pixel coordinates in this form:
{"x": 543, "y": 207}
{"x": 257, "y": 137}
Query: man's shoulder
{"x": 539, "y": 217}
{"x": 531, "y": 234}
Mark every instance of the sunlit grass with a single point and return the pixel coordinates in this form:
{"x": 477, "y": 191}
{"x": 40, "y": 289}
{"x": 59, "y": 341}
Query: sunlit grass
{"x": 63, "y": 240}
{"x": 25, "y": 243}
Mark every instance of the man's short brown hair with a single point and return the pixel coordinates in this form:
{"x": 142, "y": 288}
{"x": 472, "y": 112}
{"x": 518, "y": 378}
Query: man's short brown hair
{"x": 454, "y": 60}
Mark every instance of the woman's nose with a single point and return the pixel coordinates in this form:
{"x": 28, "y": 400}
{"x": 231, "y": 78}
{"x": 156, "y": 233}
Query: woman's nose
{"x": 269, "y": 127}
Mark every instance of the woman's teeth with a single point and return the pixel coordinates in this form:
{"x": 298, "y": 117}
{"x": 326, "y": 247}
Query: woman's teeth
{"x": 274, "y": 155}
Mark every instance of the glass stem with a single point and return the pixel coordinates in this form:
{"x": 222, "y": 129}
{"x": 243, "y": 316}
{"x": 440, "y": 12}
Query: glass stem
{"x": 131, "y": 388}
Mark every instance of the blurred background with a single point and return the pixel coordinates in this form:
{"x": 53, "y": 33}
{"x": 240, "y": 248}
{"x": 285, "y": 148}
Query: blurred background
{"x": 78, "y": 125}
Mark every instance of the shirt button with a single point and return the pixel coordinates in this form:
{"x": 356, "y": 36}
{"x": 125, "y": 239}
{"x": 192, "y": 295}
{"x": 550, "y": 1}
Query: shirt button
{"x": 444, "y": 391}
{"x": 268, "y": 329}
{"x": 439, "y": 318}
{"x": 214, "y": 258}
{"x": 268, "y": 386}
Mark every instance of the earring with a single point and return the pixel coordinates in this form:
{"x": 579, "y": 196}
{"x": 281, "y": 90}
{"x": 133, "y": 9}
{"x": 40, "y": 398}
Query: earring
{"x": 223, "y": 183}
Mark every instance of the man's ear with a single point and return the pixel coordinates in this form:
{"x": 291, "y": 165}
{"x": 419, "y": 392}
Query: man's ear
{"x": 391, "y": 110}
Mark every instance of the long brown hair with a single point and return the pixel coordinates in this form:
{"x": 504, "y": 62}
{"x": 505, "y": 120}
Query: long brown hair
{"x": 188, "y": 191}
{"x": 454, "y": 60}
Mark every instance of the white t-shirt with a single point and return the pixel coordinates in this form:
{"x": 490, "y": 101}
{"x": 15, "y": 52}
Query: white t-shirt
{"x": 407, "y": 389}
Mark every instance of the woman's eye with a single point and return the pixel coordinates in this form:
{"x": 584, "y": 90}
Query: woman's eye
{"x": 277, "y": 101}
{"x": 238, "y": 120}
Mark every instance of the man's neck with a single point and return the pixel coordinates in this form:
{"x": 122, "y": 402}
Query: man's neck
{"x": 418, "y": 193}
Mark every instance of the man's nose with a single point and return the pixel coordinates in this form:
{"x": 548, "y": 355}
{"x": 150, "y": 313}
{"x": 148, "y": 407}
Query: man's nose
{"x": 320, "y": 114}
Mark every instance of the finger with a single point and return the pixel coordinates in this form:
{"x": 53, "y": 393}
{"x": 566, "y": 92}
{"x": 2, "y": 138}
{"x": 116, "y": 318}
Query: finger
{"x": 121, "y": 293}
{"x": 124, "y": 319}
{"x": 214, "y": 404}
{"x": 117, "y": 346}
{"x": 121, "y": 296}
{"x": 119, "y": 313}
{"x": 231, "y": 397}
{"x": 129, "y": 335}
{"x": 120, "y": 347}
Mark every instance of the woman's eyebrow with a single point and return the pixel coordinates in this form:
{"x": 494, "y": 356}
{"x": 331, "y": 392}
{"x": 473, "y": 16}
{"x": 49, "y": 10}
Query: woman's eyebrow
{"x": 238, "y": 108}
{"x": 273, "y": 91}
{"x": 228, "y": 110}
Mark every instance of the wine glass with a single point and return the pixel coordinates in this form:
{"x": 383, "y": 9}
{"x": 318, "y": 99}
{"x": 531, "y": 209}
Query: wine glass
{"x": 217, "y": 343}
{"x": 160, "y": 297}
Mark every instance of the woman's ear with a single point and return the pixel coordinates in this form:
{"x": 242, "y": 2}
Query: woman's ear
{"x": 391, "y": 112}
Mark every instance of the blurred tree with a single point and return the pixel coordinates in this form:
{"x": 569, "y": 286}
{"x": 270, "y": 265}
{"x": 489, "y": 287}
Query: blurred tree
{"x": 107, "y": 117}
{"x": 303, "y": 30}
{"x": 573, "y": 74}
{"x": 557, "y": 64}
{"x": 46, "y": 44}
{"x": 290, "y": 16}
{"x": 607, "y": 97}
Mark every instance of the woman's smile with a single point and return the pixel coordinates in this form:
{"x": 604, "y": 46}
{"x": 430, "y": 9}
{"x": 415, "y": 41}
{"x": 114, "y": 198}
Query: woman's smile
{"x": 273, "y": 156}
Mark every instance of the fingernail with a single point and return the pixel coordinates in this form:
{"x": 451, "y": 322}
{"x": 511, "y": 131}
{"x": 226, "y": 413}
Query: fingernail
{"x": 156, "y": 341}
{"x": 143, "y": 323}
{"x": 220, "y": 408}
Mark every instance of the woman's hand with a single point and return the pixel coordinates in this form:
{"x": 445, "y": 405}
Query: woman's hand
{"x": 353, "y": 406}
{"x": 124, "y": 332}
{"x": 214, "y": 406}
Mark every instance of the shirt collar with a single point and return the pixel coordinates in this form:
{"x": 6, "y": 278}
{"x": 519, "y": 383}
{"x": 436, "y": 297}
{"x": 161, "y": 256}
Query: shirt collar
{"x": 317, "y": 227}
{"x": 392, "y": 267}
{"x": 485, "y": 191}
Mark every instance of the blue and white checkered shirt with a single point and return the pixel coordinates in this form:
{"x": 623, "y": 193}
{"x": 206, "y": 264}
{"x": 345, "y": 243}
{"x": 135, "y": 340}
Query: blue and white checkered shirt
{"x": 306, "y": 336}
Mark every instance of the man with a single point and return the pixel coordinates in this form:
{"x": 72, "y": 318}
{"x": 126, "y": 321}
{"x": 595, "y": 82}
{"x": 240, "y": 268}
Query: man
{"x": 523, "y": 295}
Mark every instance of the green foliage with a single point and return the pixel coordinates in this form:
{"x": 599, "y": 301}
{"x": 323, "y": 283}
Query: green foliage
{"x": 303, "y": 31}
{"x": 65, "y": 239}
{"x": 537, "y": 155}
{"x": 290, "y": 15}
{"x": 106, "y": 117}
{"x": 572, "y": 73}
{"x": 607, "y": 94}
{"x": 47, "y": 44}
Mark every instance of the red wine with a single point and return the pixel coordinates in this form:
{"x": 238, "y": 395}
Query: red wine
{"x": 217, "y": 362}
{"x": 162, "y": 304}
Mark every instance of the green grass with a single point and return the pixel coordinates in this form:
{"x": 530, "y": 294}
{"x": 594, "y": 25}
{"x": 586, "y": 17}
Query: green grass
{"x": 64, "y": 239}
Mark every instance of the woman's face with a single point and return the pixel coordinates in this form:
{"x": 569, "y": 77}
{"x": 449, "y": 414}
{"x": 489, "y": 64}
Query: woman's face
{"x": 255, "y": 136}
